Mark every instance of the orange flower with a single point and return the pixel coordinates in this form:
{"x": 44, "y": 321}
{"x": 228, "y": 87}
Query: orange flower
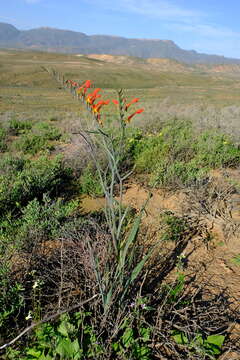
{"x": 94, "y": 93}
{"x": 87, "y": 84}
{"x": 83, "y": 88}
{"x": 139, "y": 111}
{"x": 79, "y": 90}
{"x": 91, "y": 98}
{"x": 115, "y": 102}
{"x": 96, "y": 108}
{"x": 131, "y": 102}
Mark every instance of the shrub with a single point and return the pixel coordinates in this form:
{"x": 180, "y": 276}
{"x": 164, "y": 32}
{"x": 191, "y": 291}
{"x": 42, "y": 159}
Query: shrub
{"x": 10, "y": 165}
{"x": 11, "y": 302}
{"x": 89, "y": 182}
{"x": 39, "y": 139}
{"x": 42, "y": 220}
{"x": 176, "y": 156}
{"x": 175, "y": 227}
{"x": 35, "y": 178}
{"x": 177, "y": 173}
{"x": 48, "y": 131}
{"x": 3, "y": 135}
{"x": 18, "y": 127}
{"x": 216, "y": 150}
{"x": 32, "y": 144}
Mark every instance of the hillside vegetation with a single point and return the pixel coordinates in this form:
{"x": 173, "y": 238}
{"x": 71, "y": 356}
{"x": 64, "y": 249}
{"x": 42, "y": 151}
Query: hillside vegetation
{"x": 119, "y": 214}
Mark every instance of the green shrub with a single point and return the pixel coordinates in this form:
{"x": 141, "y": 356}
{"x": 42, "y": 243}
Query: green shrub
{"x": 69, "y": 338}
{"x": 10, "y": 165}
{"x": 32, "y": 144}
{"x": 74, "y": 337}
{"x": 216, "y": 150}
{"x": 173, "y": 142}
{"x": 11, "y": 302}
{"x": 48, "y": 131}
{"x": 89, "y": 182}
{"x": 208, "y": 347}
{"x": 147, "y": 152}
{"x": 43, "y": 220}
{"x": 36, "y": 177}
{"x": 175, "y": 227}
{"x": 3, "y": 136}
{"x": 19, "y": 127}
{"x": 177, "y": 156}
{"x": 177, "y": 173}
{"x": 38, "y": 139}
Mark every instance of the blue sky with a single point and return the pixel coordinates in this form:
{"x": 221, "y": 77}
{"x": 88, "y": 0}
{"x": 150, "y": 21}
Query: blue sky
{"x": 209, "y": 26}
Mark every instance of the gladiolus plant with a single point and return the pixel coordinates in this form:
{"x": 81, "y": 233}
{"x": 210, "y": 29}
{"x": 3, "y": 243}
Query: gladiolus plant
{"x": 119, "y": 274}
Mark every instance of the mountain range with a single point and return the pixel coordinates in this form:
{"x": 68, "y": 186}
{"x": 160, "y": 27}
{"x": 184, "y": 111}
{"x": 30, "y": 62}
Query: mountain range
{"x": 66, "y": 41}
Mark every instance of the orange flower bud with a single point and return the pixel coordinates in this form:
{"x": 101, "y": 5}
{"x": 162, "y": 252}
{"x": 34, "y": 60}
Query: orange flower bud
{"x": 131, "y": 102}
{"x": 139, "y": 111}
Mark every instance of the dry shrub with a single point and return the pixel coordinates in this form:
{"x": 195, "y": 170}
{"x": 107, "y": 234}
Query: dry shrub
{"x": 212, "y": 201}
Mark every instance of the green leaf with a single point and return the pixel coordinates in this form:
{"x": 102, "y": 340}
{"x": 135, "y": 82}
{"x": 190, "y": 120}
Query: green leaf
{"x": 136, "y": 271}
{"x": 34, "y": 353}
{"x": 127, "y": 337}
{"x": 65, "y": 328}
{"x": 65, "y": 348}
{"x": 45, "y": 357}
{"x": 216, "y": 340}
{"x": 142, "y": 352}
{"x": 180, "y": 338}
{"x": 177, "y": 289}
{"x": 131, "y": 238}
{"x": 145, "y": 333}
{"x": 199, "y": 339}
{"x": 116, "y": 346}
{"x": 236, "y": 260}
{"x": 75, "y": 345}
{"x": 77, "y": 350}
{"x": 107, "y": 299}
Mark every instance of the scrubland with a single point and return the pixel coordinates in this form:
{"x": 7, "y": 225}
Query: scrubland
{"x": 118, "y": 239}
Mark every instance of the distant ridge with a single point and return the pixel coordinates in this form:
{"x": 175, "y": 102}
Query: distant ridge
{"x": 66, "y": 41}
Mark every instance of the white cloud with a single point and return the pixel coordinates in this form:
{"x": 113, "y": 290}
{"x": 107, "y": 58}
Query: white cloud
{"x": 210, "y": 38}
{"x": 162, "y": 9}
{"x": 5, "y": 18}
{"x": 196, "y": 28}
{"x": 208, "y": 30}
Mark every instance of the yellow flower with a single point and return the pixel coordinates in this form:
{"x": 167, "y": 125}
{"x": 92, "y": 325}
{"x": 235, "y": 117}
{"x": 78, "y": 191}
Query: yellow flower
{"x": 29, "y": 316}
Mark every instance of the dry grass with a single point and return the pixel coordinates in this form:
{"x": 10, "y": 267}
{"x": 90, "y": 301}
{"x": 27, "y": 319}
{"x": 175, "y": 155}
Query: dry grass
{"x": 208, "y": 98}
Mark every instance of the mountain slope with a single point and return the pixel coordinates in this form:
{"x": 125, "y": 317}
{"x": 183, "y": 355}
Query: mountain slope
{"x": 8, "y": 33}
{"x": 66, "y": 41}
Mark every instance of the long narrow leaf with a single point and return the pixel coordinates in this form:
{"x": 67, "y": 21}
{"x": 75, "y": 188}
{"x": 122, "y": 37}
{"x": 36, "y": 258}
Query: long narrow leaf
{"x": 131, "y": 238}
{"x": 136, "y": 271}
{"x": 107, "y": 300}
